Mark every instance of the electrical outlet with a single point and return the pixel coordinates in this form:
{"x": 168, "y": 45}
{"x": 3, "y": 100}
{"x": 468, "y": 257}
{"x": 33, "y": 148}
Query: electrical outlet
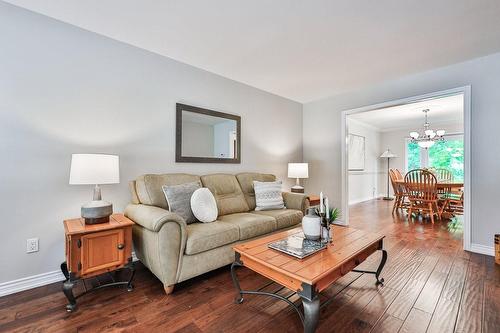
{"x": 32, "y": 245}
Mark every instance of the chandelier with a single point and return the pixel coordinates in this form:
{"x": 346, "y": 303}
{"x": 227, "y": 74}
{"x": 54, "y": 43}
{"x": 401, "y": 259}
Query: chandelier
{"x": 428, "y": 137}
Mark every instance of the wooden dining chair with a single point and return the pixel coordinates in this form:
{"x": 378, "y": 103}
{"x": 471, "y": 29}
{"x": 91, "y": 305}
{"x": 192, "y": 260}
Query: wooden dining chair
{"x": 456, "y": 203}
{"x": 453, "y": 202}
{"x": 443, "y": 175}
{"x": 421, "y": 188}
{"x": 399, "y": 191}
{"x": 398, "y": 174}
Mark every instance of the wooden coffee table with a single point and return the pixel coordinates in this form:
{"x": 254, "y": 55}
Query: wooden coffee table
{"x": 311, "y": 275}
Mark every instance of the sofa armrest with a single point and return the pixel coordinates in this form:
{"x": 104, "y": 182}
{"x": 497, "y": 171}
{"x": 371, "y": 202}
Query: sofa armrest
{"x": 159, "y": 239}
{"x": 297, "y": 201}
{"x": 152, "y": 217}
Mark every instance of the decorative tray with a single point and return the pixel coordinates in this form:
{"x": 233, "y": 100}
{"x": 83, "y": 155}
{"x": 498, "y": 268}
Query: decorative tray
{"x": 297, "y": 246}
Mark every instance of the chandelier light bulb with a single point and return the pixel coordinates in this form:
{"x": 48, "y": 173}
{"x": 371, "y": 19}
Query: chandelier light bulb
{"x": 440, "y": 132}
{"x": 429, "y": 132}
{"x": 414, "y": 135}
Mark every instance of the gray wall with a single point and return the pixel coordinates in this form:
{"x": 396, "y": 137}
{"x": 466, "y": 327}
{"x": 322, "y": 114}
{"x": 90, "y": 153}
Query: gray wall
{"x": 64, "y": 90}
{"x": 322, "y": 119}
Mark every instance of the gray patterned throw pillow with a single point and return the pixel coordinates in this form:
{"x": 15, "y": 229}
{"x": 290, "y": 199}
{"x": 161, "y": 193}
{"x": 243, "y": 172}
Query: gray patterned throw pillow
{"x": 268, "y": 195}
{"x": 179, "y": 199}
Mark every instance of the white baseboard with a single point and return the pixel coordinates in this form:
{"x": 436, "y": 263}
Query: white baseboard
{"x": 11, "y": 287}
{"x": 482, "y": 249}
{"x": 30, "y": 282}
{"x": 353, "y": 202}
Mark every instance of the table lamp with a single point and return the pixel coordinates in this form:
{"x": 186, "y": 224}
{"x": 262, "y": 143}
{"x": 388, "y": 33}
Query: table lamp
{"x": 95, "y": 169}
{"x": 298, "y": 170}
{"x": 388, "y": 154}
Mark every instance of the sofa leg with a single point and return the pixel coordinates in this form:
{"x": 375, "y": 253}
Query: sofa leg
{"x": 168, "y": 289}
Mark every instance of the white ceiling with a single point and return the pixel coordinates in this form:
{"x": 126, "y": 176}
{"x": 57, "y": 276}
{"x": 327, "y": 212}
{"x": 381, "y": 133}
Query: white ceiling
{"x": 302, "y": 50}
{"x": 442, "y": 111}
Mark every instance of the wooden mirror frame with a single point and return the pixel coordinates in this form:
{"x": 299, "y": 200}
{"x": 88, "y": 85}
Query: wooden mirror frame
{"x": 178, "y": 135}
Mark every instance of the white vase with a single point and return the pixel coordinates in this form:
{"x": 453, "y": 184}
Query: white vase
{"x": 311, "y": 225}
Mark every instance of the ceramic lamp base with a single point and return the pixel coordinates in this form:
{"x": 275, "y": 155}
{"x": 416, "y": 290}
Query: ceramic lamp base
{"x": 297, "y": 189}
{"x": 97, "y": 211}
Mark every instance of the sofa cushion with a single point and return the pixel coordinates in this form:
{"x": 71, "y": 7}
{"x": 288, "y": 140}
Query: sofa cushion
{"x": 268, "y": 195}
{"x": 246, "y": 180}
{"x": 227, "y": 193}
{"x": 204, "y": 206}
{"x": 149, "y": 187}
{"x": 179, "y": 199}
{"x": 284, "y": 217}
{"x": 202, "y": 237}
{"x": 250, "y": 225}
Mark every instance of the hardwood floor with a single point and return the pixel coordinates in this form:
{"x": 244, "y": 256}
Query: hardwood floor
{"x": 431, "y": 285}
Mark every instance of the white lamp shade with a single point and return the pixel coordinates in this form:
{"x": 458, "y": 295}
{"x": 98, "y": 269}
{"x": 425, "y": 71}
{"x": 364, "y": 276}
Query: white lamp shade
{"x": 94, "y": 169}
{"x": 298, "y": 170}
{"x": 388, "y": 154}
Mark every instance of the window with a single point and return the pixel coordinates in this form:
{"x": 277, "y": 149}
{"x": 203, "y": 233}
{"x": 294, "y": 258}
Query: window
{"x": 447, "y": 154}
{"x": 412, "y": 156}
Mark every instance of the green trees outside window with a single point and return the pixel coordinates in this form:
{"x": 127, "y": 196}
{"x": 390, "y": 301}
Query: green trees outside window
{"x": 413, "y": 156}
{"x": 447, "y": 154}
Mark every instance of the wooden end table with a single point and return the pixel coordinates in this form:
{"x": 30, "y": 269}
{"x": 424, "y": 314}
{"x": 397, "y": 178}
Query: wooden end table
{"x": 313, "y": 200}
{"x": 307, "y": 277}
{"x": 96, "y": 249}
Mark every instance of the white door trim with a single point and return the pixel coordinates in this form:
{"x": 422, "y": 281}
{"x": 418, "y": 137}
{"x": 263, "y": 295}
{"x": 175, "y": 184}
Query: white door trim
{"x": 466, "y": 91}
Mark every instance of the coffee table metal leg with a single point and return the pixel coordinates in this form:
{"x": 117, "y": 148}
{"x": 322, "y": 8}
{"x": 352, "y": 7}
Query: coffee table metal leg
{"x": 379, "y": 269}
{"x": 311, "y": 314}
{"x": 239, "y": 296}
{"x": 310, "y": 302}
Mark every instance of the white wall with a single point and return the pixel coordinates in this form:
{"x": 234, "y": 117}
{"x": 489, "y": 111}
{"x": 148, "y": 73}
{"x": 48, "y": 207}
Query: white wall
{"x": 364, "y": 185}
{"x": 65, "y": 90}
{"x": 322, "y": 141}
{"x": 396, "y": 141}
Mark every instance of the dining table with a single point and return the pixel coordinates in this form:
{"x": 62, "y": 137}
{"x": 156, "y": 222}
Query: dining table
{"x": 440, "y": 184}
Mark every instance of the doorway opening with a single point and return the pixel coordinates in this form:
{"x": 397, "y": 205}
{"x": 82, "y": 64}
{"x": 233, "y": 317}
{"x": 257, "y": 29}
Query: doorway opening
{"x": 429, "y": 132}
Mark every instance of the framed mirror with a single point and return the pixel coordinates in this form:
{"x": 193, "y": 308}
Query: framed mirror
{"x": 207, "y": 136}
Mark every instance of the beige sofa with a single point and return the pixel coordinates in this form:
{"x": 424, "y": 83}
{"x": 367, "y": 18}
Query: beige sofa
{"x": 175, "y": 251}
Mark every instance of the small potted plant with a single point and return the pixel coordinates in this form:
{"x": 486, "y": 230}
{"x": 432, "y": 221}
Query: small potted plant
{"x": 334, "y": 214}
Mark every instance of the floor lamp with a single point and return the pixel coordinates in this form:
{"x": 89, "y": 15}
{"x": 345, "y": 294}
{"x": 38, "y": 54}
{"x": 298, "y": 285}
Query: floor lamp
{"x": 388, "y": 154}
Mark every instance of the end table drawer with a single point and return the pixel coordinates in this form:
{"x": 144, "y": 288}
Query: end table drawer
{"x": 102, "y": 250}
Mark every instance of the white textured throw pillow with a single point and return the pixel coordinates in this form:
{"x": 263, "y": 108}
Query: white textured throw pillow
{"x": 203, "y": 205}
{"x": 268, "y": 195}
